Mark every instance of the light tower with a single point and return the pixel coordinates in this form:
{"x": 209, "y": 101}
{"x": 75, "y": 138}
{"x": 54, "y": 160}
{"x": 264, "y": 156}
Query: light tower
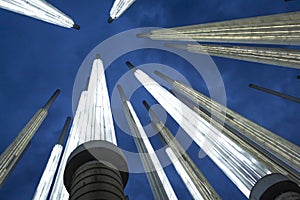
{"x": 14, "y": 151}
{"x": 270, "y": 29}
{"x": 159, "y": 182}
{"x": 118, "y": 8}
{"x": 43, "y": 188}
{"x": 194, "y": 180}
{"x": 285, "y": 96}
{"x": 282, "y": 150}
{"x": 274, "y": 56}
{"x": 41, "y": 10}
{"x": 92, "y": 164}
{"x": 239, "y": 165}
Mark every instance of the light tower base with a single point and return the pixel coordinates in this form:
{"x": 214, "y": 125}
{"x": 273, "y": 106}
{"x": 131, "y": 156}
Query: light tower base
{"x": 276, "y": 187}
{"x": 96, "y": 169}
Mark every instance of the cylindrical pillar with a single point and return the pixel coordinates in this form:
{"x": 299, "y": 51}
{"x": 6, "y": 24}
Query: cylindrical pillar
{"x": 96, "y": 169}
{"x": 275, "y": 186}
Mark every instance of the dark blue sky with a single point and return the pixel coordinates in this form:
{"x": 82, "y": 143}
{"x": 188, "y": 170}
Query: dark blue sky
{"x": 37, "y": 57}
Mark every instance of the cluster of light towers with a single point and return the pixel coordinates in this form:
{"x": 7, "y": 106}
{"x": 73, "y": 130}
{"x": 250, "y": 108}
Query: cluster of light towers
{"x": 260, "y": 163}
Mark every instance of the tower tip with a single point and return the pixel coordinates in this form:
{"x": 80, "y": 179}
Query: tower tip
{"x": 76, "y": 26}
{"x": 110, "y": 20}
{"x": 146, "y": 105}
{"x": 98, "y": 56}
{"x": 130, "y": 65}
{"x": 121, "y": 92}
{"x": 52, "y": 99}
{"x": 64, "y": 131}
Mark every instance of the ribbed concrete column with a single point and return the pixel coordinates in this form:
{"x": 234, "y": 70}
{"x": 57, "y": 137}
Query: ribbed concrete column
{"x": 282, "y": 151}
{"x": 15, "y": 150}
{"x": 274, "y": 56}
{"x": 96, "y": 169}
{"x": 271, "y": 29}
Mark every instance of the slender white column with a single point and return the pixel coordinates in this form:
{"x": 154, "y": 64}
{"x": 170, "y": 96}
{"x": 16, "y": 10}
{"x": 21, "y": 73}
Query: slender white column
{"x": 118, "y": 8}
{"x": 274, "y": 56}
{"x": 43, "y": 188}
{"x": 238, "y": 164}
{"x": 158, "y": 180}
{"x": 92, "y": 121}
{"x": 283, "y": 151}
{"x": 39, "y": 9}
{"x": 194, "y": 180}
{"x": 12, "y": 154}
{"x": 271, "y": 29}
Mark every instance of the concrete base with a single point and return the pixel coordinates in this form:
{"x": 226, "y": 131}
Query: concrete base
{"x": 275, "y": 187}
{"x": 96, "y": 169}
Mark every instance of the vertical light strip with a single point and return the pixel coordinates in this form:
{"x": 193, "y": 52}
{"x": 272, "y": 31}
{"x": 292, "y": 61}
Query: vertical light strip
{"x": 158, "y": 180}
{"x": 140, "y": 133}
{"x": 184, "y": 175}
{"x": 200, "y": 183}
{"x": 44, "y": 185}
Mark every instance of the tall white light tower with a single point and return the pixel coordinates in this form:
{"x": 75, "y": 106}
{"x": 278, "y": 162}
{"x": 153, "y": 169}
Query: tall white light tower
{"x": 92, "y": 132}
{"x": 39, "y": 9}
{"x": 118, "y": 8}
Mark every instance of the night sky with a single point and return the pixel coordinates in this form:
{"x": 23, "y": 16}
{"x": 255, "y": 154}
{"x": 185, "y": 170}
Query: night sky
{"x": 37, "y": 58}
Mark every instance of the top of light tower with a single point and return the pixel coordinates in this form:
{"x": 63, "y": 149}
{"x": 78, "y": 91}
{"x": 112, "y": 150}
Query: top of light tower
{"x": 52, "y": 99}
{"x": 130, "y": 65}
{"x": 64, "y": 131}
{"x": 110, "y": 20}
{"x": 76, "y": 26}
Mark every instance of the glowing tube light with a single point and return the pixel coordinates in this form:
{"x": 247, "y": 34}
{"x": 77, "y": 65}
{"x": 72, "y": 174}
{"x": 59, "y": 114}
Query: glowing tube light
{"x": 184, "y": 175}
{"x": 48, "y": 174}
{"x": 43, "y": 188}
{"x": 260, "y": 155}
{"x": 160, "y": 185}
{"x": 92, "y": 121}
{"x": 274, "y": 56}
{"x": 39, "y": 9}
{"x": 12, "y": 154}
{"x": 118, "y": 8}
{"x": 284, "y": 152}
{"x": 239, "y": 166}
{"x": 196, "y": 183}
{"x": 271, "y": 29}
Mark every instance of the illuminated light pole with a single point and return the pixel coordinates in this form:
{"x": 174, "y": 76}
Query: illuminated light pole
{"x": 255, "y": 150}
{"x": 238, "y": 164}
{"x": 271, "y": 29}
{"x": 12, "y": 154}
{"x": 160, "y": 185}
{"x": 118, "y": 8}
{"x": 281, "y": 150}
{"x": 274, "y": 56}
{"x": 194, "y": 180}
{"x": 285, "y": 96}
{"x": 39, "y": 9}
{"x": 91, "y": 149}
{"x": 43, "y": 188}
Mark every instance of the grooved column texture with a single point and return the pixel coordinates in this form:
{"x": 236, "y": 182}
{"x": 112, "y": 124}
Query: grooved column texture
{"x": 95, "y": 180}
